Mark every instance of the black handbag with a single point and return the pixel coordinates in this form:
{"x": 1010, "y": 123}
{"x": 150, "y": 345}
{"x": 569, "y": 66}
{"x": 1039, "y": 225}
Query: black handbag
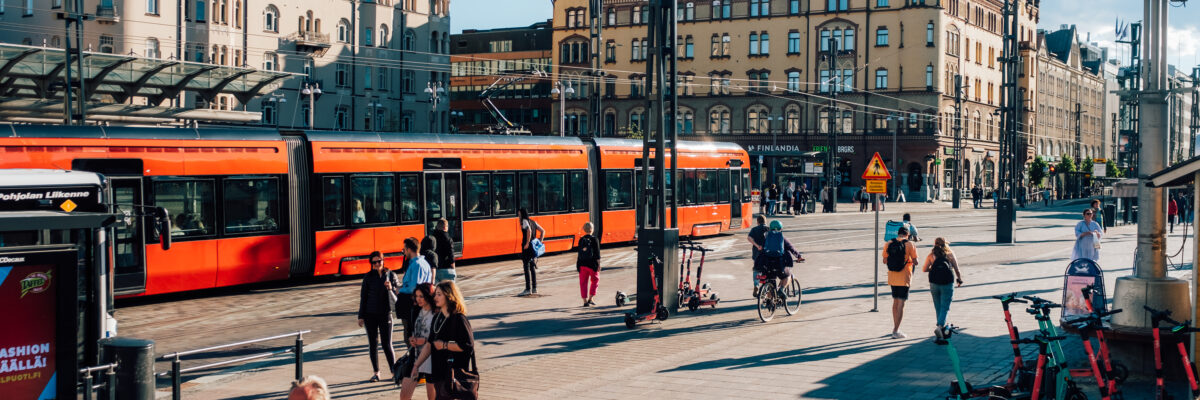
{"x": 463, "y": 383}
{"x": 403, "y": 367}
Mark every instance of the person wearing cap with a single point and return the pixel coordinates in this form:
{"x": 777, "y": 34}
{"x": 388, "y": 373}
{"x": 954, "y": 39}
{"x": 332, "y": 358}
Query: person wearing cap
{"x": 776, "y": 254}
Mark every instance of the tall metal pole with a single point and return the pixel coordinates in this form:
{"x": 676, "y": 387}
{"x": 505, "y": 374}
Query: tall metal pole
{"x": 79, "y": 17}
{"x": 834, "y": 86}
{"x": 1010, "y": 117}
{"x": 596, "y": 12}
{"x": 958, "y": 140}
{"x": 1194, "y": 124}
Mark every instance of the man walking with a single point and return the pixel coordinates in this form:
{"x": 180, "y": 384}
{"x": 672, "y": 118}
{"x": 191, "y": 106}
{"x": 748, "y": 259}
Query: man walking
{"x": 789, "y": 193}
{"x": 976, "y": 196}
{"x": 757, "y": 239}
{"x": 445, "y": 251}
{"x": 863, "y": 198}
{"x": 418, "y": 272}
{"x": 802, "y": 196}
{"x": 772, "y": 199}
{"x": 900, "y": 256}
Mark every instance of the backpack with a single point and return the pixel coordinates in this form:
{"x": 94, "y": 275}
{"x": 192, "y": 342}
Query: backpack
{"x": 896, "y": 257}
{"x": 892, "y": 229}
{"x": 940, "y": 272}
{"x": 774, "y": 244}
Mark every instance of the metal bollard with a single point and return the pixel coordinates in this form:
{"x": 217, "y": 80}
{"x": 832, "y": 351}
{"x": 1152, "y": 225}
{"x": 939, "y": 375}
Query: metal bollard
{"x": 299, "y": 356}
{"x": 176, "y": 379}
{"x": 110, "y": 383}
{"x": 87, "y": 386}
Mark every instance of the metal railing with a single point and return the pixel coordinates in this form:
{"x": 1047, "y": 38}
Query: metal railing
{"x": 177, "y": 370}
{"x": 110, "y": 380}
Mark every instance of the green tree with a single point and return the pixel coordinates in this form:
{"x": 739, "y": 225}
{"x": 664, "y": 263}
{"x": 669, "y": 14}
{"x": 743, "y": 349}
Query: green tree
{"x": 1112, "y": 170}
{"x": 1066, "y": 165}
{"x": 1086, "y": 166}
{"x": 1037, "y": 171}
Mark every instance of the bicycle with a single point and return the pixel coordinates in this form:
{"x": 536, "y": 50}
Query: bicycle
{"x": 771, "y": 297}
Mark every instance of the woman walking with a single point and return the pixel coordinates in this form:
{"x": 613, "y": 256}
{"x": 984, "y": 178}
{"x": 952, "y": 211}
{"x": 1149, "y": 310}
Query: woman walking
{"x": 1172, "y": 213}
{"x": 376, "y": 299}
{"x": 942, "y": 267}
{"x": 1087, "y": 238}
{"x": 588, "y": 264}
{"x": 529, "y": 231}
{"x": 452, "y": 340}
{"x": 418, "y": 345}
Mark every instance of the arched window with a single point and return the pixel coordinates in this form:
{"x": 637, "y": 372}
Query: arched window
{"x": 685, "y": 121}
{"x": 317, "y": 25}
{"x": 271, "y": 19}
{"x": 343, "y": 31}
{"x": 308, "y": 20}
{"x": 383, "y": 35}
{"x": 718, "y": 120}
{"x": 410, "y": 39}
{"x": 237, "y": 13}
{"x": 151, "y": 48}
{"x": 758, "y": 120}
{"x": 637, "y": 119}
{"x": 792, "y": 120}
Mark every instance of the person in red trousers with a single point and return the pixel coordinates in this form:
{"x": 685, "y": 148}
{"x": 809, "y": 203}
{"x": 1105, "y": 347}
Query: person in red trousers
{"x": 588, "y": 264}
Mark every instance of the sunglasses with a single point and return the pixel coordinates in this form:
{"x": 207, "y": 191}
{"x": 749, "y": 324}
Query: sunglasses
{"x": 1087, "y": 213}
{"x": 376, "y": 261}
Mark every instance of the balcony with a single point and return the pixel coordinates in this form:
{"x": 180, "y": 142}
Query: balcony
{"x": 309, "y": 40}
{"x": 107, "y": 14}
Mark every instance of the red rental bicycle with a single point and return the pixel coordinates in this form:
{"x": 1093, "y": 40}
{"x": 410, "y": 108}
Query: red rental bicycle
{"x": 1180, "y": 329}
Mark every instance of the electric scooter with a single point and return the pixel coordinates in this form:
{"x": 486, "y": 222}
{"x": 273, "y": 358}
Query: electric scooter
{"x": 1089, "y": 325}
{"x": 1021, "y": 374}
{"x": 658, "y": 312}
{"x": 960, "y": 389}
{"x": 1047, "y": 365}
{"x": 702, "y": 294}
{"x": 1064, "y": 387}
{"x": 1113, "y": 370}
{"x": 1177, "y": 328}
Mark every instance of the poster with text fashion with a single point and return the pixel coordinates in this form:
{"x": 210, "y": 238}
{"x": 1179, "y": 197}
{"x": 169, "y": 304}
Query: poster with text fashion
{"x": 27, "y": 343}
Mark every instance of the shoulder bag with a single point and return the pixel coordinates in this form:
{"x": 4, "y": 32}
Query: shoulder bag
{"x": 463, "y": 383}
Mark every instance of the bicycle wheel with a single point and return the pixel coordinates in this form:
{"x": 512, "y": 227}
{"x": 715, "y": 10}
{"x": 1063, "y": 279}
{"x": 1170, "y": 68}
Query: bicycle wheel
{"x": 766, "y": 301}
{"x": 791, "y": 300}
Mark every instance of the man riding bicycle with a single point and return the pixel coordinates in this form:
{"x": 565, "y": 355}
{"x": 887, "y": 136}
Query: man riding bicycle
{"x": 775, "y": 258}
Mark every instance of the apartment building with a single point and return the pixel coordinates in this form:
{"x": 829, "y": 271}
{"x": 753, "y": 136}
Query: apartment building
{"x": 371, "y": 59}
{"x": 760, "y": 72}
{"x": 1070, "y": 99}
{"x": 507, "y": 59}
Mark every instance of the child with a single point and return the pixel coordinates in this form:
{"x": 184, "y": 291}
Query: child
{"x": 588, "y": 264}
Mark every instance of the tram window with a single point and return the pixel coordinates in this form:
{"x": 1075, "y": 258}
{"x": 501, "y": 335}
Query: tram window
{"x": 723, "y": 186}
{"x": 410, "y": 198}
{"x": 708, "y": 186}
{"x": 190, "y": 204}
{"x": 373, "y": 199}
{"x": 334, "y": 200}
{"x": 505, "y": 189}
{"x": 528, "y": 191}
{"x": 688, "y": 187}
{"x": 551, "y": 192}
{"x": 251, "y": 205}
{"x": 579, "y": 191}
{"x": 618, "y": 190}
{"x": 679, "y": 182}
{"x": 745, "y": 186}
{"x": 478, "y": 196}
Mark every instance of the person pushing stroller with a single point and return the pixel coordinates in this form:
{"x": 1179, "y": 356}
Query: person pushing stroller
{"x": 775, "y": 258}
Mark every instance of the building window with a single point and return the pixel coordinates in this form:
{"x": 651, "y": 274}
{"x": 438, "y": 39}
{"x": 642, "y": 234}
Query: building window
{"x": 793, "y": 42}
{"x": 685, "y": 122}
{"x": 409, "y": 81}
{"x": 689, "y": 47}
{"x": 341, "y": 76}
{"x": 848, "y": 44}
{"x": 343, "y": 31}
{"x": 369, "y": 37}
{"x": 270, "y": 62}
{"x": 794, "y": 7}
{"x": 721, "y": 9}
{"x": 725, "y": 44}
{"x": 716, "y": 46}
{"x": 764, "y": 41}
{"x": 793, "y": 81}
{"x": 792, "y": 122}
{"x": 383, "y": 36}
{"x": 270, "y": 19}
{"x": 636, "y": 49}
{"x": 824, "y": 39}
{"x": 929, "y": 77}
{"x": 929, "y": 36}
{"x": 202, "y": 11}
{"x": 237, "y": 14}
{"x": 881, "y": 3}
{"x": 612, "y": 17}
{"x": 367, "y": 77}
{"x": 836, "y": 5}
{"x": 881, "y": 37}
{"x": 106, "y": 44}
{"x": 689, "y": 11}
{"x": 635, "y": 14}
{"x": 718, "y": 121}
{"x": 268, "y": 114}
{"x": 152, "y": 48}
{"x": 610, "y": 52}
{"x": 151, "y": 6}
{"x": 753, "y": 43}
{"x": 758, "y": 121}
{"x": 760, "y": 8}
{"x": 881, "y": 76}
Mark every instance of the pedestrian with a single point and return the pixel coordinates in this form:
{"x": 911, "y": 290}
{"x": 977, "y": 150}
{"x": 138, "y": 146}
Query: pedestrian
{"x": 312, "y": 387}
{"x": 863, "y": 198}
{"x": 530, "y": 231}
{"x": 1046, "y": 194}
{"x": 377, "y": 296}
{"x": 417, "y": 272}
{"x": 802, "y": 196}
{"x": 995, "y": 198}
{"x": 900, "y": 271}
{"x": 1021, "y": 196}
{"x": 445, "y": 251}
{"x": 976, "y": 196}
{"x": 762, "y": 201}
{"x": 789, "y": 194}
{"x": 453, "y": 342}
{"x": 1172, "y": 213}
{"x": 1099, "y": 214}
{"x": 1087, "y": 238}
{"x": 772, "y": 199}
{"x": 587, "y": 264}
{"x": 418, "y": 345}
{"x": 428, "y": 247}
{"x": 824, "y": 198}
{"x": 900, "y": 196}
{"x": 757, "y": 239}
{"x": 942, "y": 267}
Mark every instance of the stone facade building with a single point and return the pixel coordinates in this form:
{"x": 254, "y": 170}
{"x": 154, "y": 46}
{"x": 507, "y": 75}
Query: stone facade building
{"x": 1070, "y": 99}
{"x": 372, "y": 59}
{"x": 756, "y": 72}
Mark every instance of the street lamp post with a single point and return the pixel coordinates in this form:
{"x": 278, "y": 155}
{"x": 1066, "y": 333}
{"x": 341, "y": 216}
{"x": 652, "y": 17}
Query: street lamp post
{"x": 435, "y": 91}
{"x": 311, "y": 90}
{"x": 562, "y": 90}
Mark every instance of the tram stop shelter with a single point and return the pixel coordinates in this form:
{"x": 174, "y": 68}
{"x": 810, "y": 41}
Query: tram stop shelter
{"x": 122, "y": 88}
{"x": 1180, "y": 175}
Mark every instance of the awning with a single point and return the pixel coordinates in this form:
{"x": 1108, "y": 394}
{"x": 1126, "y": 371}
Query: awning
{"x": 1179, "y": 174}
{"x": 1126, "y": 188}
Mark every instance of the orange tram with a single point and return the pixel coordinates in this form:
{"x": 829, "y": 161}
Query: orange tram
{"x": 255, "y": 205}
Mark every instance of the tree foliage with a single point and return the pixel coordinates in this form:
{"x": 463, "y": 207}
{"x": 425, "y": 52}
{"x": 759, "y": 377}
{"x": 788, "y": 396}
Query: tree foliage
{"x": 1066, "y": 165}
{"x": 1112, "y": 170}
{"x": 1037, "y": 171}
{"x": 1086, "y": 166}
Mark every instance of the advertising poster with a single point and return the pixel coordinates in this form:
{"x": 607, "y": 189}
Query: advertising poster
{"x": 27, "y": 343}
{"x": 1074, "y": 304}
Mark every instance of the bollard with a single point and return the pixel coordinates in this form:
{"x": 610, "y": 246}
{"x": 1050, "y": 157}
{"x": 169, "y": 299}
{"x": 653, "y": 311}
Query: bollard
{"x": 299, "y": 356}
{"x": 176, "y": 379}
{"x": 110, "y": 383}
{"x": 87, "y": 386}
{"x": 135, "y": 380}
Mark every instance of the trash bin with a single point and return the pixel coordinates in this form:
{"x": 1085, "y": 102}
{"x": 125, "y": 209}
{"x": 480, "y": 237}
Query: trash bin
{"x": 1110, "y": 213}
{"x": 135, "y": 372}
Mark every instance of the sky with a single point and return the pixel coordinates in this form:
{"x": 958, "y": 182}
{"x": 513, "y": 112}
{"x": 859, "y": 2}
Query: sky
{"x": 1100, "y": 20}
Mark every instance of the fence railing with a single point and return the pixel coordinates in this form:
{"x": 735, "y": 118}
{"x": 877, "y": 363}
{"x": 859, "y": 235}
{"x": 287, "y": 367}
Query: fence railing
{"x": 110, "y": 379}
{"x": 177, "y": 370}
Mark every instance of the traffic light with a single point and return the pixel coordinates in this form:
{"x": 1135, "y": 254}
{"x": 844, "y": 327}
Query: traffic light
{"x": 1052, "y": 172}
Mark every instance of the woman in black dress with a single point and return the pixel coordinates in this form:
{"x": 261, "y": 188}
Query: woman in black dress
{"x": 376, "y": 300}
{"x": 451, "y": 336}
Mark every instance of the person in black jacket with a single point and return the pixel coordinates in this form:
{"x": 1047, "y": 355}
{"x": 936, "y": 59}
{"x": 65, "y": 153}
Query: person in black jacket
{"x": 588, "y": 264}
{"x": 428, "y": 250}
{"x": 445, "y": 252}
{"x": 376, "y": 299}
{"x": 451, "y": 338}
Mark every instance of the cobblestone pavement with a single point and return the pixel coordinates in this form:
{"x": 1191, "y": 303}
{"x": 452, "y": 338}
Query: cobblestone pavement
{"x": 550, "y": 347}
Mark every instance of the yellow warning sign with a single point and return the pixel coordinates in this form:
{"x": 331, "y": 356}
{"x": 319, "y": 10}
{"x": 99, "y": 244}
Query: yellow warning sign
{"x": 68, "y": 206}
{"x": 876, "y": 169}
{"x": 877, "y": 186}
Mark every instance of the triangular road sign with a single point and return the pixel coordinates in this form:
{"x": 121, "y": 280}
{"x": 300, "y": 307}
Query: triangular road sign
{"x": 876, "y": 169}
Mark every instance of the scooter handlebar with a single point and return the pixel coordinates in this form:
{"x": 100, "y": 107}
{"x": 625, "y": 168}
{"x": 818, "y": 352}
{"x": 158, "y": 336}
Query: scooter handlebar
{"x": 1010, "y": 298}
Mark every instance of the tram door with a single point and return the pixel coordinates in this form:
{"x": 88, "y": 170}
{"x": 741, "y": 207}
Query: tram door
{"x": 443, "y": 199}
{"x": 735, "y": 195}
{"x": 129, "y": 261}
